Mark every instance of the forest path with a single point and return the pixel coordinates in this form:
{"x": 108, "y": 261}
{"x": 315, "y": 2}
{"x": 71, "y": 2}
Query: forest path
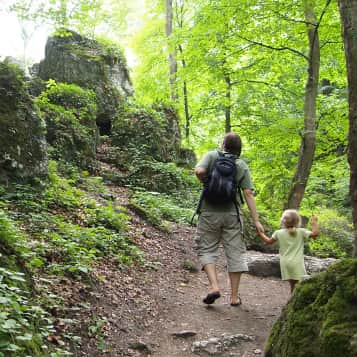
{"x": 144, "y": 307}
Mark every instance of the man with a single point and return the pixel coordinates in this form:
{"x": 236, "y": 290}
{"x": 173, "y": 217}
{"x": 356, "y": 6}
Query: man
{"x": 219, "y": 223}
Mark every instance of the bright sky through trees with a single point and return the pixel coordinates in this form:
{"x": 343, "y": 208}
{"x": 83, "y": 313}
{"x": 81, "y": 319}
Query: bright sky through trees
{"x": 12, "y": 45}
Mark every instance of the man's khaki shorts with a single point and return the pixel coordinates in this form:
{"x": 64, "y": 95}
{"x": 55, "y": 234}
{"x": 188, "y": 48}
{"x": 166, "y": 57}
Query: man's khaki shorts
{"x": 215, "y": 228}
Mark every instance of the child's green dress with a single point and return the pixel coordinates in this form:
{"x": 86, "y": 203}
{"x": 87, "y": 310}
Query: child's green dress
{"x": 291, "y": 250}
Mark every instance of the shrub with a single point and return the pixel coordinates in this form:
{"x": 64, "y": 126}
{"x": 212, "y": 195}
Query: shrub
{"x": 335, "y": 239}
{"x": 146, "y": 133}
{"x": 70, "y": 114}
{"x": 161, "y": 207}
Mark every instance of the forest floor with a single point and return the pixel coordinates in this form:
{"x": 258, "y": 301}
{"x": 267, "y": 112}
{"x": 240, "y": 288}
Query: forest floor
{"x": 156, "y": 309}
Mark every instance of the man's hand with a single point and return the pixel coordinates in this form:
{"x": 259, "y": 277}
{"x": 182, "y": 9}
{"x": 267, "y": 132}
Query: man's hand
{"x": 200, "y": 173}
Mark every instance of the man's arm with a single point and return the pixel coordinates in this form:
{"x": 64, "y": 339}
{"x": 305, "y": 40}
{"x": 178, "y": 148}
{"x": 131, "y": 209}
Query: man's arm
{"x": 249, "y": 198}
{"x": 267, "y": 239}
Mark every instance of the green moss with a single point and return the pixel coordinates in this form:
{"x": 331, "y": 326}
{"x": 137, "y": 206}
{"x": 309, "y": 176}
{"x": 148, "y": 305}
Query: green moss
{"x": 22, "y": 152}
{"x": 146, "y": 132}
{"x": 321, "y": 317}
{"x": 70, "y": 114}
{"x": 13, "y": 89}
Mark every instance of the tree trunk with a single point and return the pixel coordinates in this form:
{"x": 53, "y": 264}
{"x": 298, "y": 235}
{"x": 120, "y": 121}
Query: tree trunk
{"x": 348, "y": 11}
{"x": 228, "y": 125}
{"x": 187, "y": 114}
{"x": 185, "y": 100}
{"x": 172, "y": 56}
{"x": 308, "y": 143}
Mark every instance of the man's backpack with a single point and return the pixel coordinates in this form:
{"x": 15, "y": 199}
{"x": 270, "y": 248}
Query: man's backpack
{"x": 221, "y": 184}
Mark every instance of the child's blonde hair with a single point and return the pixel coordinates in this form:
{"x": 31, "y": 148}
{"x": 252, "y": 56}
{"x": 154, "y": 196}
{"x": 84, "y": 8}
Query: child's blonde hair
{"x": 290, "y": 219}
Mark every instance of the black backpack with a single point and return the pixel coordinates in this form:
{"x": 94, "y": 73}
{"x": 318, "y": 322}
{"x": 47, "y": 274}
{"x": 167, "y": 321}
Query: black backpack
{"x": 221, "y": 184}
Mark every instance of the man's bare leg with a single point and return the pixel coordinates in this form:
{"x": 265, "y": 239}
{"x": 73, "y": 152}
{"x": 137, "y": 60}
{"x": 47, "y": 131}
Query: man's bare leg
{"x": 211, "y": 272}
{"x": 214, "y": 292}
{"x": 234, "y": 278}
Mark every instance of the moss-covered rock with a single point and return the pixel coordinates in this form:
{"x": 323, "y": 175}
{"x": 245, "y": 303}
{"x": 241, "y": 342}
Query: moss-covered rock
{"x": 147, "y": 132}
{"x": 22, "y": 135}
{"x": 70, "y": 115}
{"x": 71, "y": 58}
{"x": 321, "y": 317}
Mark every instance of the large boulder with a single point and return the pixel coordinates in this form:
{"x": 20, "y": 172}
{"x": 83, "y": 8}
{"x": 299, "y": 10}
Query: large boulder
{"x": 262, "y": 264}
{"x": 71, "y": 58}
{"x": 22, "y": 135}
{"x": 321, "y": 317}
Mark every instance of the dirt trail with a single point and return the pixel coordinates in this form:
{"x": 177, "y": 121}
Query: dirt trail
{"x": 262, "y": 301}
{"x": 145, "y": 306}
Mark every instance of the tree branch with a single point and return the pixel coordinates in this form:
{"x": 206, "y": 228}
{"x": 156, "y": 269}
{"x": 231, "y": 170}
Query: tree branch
{"x": 283, "y": 48}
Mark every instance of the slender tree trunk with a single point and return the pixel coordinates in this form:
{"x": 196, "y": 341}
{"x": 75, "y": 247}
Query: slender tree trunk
{"x": 185, "y": 100}
{"x": 348, "y": 11}
{"x": 308, "y": 142}
{"x": 172, "y": 56}
{"x": 227, "y": 109}
{"x": 187, "y": 114}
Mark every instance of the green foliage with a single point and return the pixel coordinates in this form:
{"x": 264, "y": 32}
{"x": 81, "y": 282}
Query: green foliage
{"x": 335, "y": 239}
{"x": 63, "y": 232}
{"x": 23, "y": 323}
{"x": 82, "y": 102}
{"x": 161, "y": 207}
{"x": 96, "y": 231}
{"x": 60, "y": 191}
{"x": 146, "y": 132}
{"x": 164, "y": 177}
{"x": 70, "y": 114}
{"x": 320, "y": 319}
{"x": 13, "y": 76}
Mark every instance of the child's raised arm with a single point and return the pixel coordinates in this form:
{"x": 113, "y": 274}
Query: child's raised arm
{"x": 266, "y": 239}
{"x": 314, "y": 227}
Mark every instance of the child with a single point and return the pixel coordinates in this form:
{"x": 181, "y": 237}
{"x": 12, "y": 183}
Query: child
{"x": 291, "y": 245}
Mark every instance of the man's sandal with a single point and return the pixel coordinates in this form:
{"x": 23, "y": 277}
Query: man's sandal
{"x": 239, "y": 302}
{"x": 211, "y": 298}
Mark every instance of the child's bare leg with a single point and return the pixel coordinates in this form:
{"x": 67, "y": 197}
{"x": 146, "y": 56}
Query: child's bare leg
{"x": 292, "y": 285}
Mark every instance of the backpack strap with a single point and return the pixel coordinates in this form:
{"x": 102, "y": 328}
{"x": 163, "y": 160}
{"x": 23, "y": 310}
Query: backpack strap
{"x": 198, "y": 208}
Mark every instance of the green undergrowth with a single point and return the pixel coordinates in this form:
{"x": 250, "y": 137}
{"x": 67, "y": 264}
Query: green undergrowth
{"x": 57, "y": 229}
{"x": 24, "y": 322}
{"x": 321, "y": 317}
{"x": 159, "y": 208}
{"x": 335, "y": 238}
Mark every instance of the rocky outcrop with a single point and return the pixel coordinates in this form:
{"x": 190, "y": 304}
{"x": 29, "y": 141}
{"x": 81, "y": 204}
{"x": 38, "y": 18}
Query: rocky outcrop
{"x": 265, "y": 265}
{"x": 71, "y": 58}
{"x": 147, "y": 132}
{"x": 320, "y": 318}
{"x": 22, "y": 135}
